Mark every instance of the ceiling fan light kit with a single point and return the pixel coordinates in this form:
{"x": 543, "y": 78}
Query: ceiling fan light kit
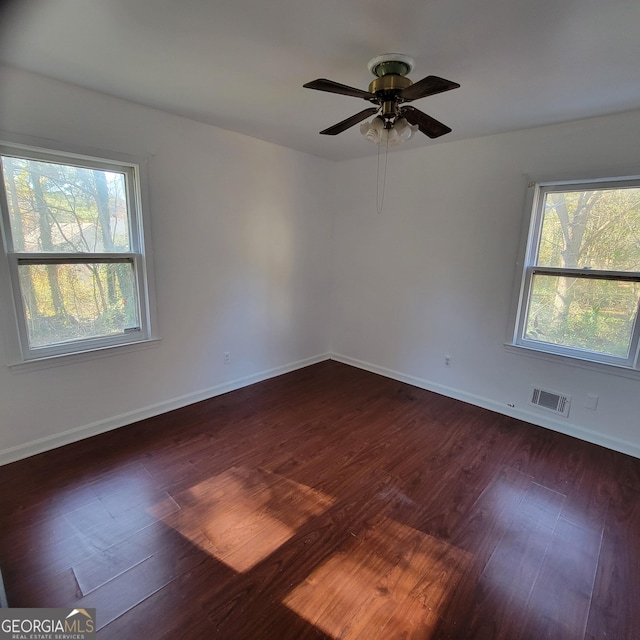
{"x": 394, "y": 122}
{"x": 376, "y": 132}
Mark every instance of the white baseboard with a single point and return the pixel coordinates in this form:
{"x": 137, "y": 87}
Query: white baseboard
{"x": 576, "y": 431}
{"x": 79, "y": 433}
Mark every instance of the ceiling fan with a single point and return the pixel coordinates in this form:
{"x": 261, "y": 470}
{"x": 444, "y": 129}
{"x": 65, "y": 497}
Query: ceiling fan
{"x": 389, "y": 92}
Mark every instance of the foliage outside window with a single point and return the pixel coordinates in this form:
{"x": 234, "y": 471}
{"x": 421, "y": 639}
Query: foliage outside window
{"x": 581, "y": 282}
{"x": 74, "y": 245}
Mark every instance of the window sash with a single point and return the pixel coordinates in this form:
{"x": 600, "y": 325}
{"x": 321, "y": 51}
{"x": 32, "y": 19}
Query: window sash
{"x": 82, "y": 344}
{"x": 583, "y": 354}
{"x": 131, "y": 180}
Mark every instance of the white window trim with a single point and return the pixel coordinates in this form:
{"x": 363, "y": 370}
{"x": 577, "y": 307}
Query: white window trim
{"x": 19, "y": 356}
{"x": 525, "y": 269}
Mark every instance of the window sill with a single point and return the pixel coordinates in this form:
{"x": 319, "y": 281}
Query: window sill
{"x": 81, "y": 356}
{"x": 610, "y": 369}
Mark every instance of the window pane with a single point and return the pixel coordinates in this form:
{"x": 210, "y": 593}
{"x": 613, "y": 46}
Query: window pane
{"x": 595, "y": 229}
{"x": 596, "y": 315}
{"x": 66, "y": 302}
{"x": 61, "y": 208}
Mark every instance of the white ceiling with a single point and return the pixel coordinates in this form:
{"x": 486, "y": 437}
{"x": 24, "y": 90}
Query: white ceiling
{"x": 241, "y": 64}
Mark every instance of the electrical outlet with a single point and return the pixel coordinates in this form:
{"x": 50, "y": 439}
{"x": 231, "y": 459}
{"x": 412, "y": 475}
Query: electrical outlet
{"x": 227, "y": 357}
{"x": 447, "y": 361}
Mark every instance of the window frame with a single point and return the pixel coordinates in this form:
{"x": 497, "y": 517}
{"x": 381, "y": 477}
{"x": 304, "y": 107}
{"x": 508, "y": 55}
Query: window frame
{"x": 138, "y": 255}
{"x": 531, "y": 242}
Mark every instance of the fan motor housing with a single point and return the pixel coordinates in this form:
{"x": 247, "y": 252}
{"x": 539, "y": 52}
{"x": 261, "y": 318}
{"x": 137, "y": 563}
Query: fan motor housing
{"x": 389, "y": 83}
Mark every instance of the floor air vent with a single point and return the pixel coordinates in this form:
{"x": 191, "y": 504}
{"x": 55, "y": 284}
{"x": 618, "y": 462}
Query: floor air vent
{"x": 551, "y": 400}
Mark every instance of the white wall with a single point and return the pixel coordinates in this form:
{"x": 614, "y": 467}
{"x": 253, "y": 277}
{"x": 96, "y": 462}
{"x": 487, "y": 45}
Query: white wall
{"x": 241, "y": 236}
{"x": 433, "y": 274}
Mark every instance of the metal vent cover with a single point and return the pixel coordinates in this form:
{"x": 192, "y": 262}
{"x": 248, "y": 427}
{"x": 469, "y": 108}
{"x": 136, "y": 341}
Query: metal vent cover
{"x": 551, "y": 400}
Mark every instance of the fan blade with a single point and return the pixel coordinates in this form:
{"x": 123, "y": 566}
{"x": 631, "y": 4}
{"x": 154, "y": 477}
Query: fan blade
{"x": 427, "y": 87}
{"x": 428, "y": 125}
{"x": 349, "y": 122}
{"x": 336, "y": 87}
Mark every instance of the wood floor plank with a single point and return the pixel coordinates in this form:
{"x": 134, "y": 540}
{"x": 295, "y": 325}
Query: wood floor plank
{"x": 128, "y": 589}
{"x": 105, "y": 565}
{"x": 173, "y": 609}
{"x": 479, "y": 534}
{"x": 246, "y": 514}
{"x": 34, "y": 552}
{"x": 390, "y": 577}
{"x": 504, "y": 586}
{"x": 559, "y": 604}
{"x": 329, "y": 503}
{"x": 614, "y": 609}
{"x": 44, "y": 589}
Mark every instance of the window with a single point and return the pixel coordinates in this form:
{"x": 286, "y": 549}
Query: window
{"x": 581, "y": 279}
{"x": 75, "y": 251}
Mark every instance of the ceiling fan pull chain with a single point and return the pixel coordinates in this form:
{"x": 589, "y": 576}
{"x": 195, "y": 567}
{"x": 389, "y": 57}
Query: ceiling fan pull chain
{"x": 379, "y": 196}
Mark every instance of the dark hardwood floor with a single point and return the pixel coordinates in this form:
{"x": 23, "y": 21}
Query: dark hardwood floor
{"x": 329, "y": 503}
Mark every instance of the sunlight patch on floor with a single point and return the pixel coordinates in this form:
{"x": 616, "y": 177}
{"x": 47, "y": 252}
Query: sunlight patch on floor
{"x": 390, "y": 581}
{"x": 244, "y": 514}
